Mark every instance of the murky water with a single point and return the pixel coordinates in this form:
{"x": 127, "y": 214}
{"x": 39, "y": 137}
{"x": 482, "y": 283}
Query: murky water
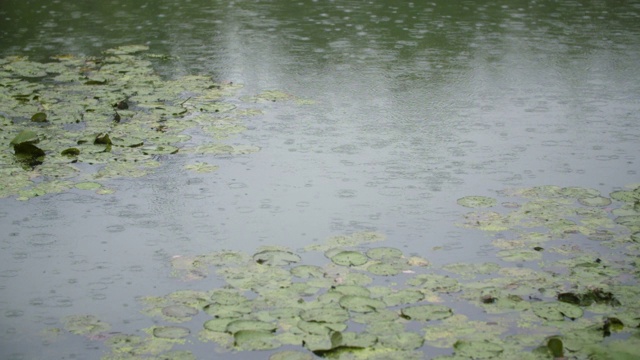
{"x": 416, "y": 106}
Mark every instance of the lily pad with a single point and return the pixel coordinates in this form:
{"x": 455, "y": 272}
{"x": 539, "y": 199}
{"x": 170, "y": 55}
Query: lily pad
{"x": 349, "y": 258}
{"x": 595, "y": 201}
{"x": 159, "y": 149}
{"x": 39, "y": 117}
{"x": 276, "y": 257}
{"x": 25, "y": 136}
{"x": 328, "y": 314}
{"x": 427, "y": 312}
{"x": 403, "y": 297}
{"x": 255, "y": 340}
{"x": 556, "y": 310}
{"x": 386, "y": 268}
{"x": 307, "y": 271}
{"x": 241, "y": 324}
{"x": 179, "y": 311}
{"x": 402, "y": 341}
{"x": 218, "y": 324}
{"x": 171, "y": 332}
{"x": 361, "y": 303}
{"x": 381, "y": 253}
{"x": 86, "y": 325}
{"x": 478, "y": 349}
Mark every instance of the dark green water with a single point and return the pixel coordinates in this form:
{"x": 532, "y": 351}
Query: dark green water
{"x": 416, "y": 106}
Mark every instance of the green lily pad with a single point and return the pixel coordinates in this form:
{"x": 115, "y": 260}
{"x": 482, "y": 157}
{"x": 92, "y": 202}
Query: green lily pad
{"x": 352, "y": 290}
{"x": 255, "y": 340}
{"x": 218, "y": 324}
{"x": 328, "y": 314}
{"x": 477, "y": 201}
{"x": 628, "y": 196}
{"x": 70, "y": 152}
{"x": 241, "y": 324}
{"x": 25, "y": 136}
{"x": 276, "y": 257}
{"x": 88, "y": 185}
{"x": 320, "y": 328}
{"x": 39, "y": 117}
{"x": 361, "y": 303}
{"x": 402, "y": 341}
{"x": 159, "y": 150}
{"x": 478, "y": 349}
{"x": 179, "y": 311}
{"x": 595, "y": 201}
{"x": 349, "y": 258}
{"x": 381, "y": 253}
{"x": 86, "y": 325}
{"x": 308, "y": 271}
{"x": 556, "y": 310}
{"x": 403, "y": 297}
{"x": 427, "y": 312}
{"x": 171, "y": 332}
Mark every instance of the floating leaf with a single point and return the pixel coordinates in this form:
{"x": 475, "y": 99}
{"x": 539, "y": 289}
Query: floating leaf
{"x": 426, "y": 312}
{"x": 349, "y": 258}
{"x": 171, "y": 332}
{"x": 39, "y": 117}
{"x": 384, "y": 253}
{"x": 555, "y": 347}
{"x": 556, "y": 310}
{"x": 70, "y": 152}
{"x": 218, "y": 324}
{"x": 179, "y": 311}
{"x": 478, "y": 349}
{"x": 86, "y": 325}
{"x": 307, "y": 271}
{"x": 595, "y": 201}
{"x": 276, "y": 257}
{"x": 386, "y": 268}
{"x": 361, "y": 303}
{"x": 255, "y": 340}
{"x": 329, "y": 314}
{"x": 402, "y": 341}
{"x": 159, "y": 149}
{"x": 403, "y": 297}
{"x": 241, "y": 324}
{"x": 25, "y": 136}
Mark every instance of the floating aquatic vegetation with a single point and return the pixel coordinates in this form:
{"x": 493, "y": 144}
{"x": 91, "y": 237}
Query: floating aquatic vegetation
{"x": 477, "y": 201}
{"x": 109, "y": 110}
{"x": 85, "y": 325}
{"x": 351, "y": 308}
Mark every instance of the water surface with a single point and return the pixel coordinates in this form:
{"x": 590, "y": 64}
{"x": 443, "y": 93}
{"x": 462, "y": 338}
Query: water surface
{"x": 416, "y": 105}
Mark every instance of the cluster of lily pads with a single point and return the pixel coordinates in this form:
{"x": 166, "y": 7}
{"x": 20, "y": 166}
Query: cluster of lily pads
{"x": 76, "y": 121}
{"x": 577, "y": 299}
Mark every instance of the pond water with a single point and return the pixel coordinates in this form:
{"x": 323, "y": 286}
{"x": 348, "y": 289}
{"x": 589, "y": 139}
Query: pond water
{"x": 413, "y": 107}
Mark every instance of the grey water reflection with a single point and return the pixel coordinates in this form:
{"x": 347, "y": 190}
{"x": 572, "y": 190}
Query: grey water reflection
{"x": 416, "y": 105}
